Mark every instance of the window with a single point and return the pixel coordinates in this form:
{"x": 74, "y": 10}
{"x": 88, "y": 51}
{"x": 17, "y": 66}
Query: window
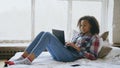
{"x": 50, "y": 14}
{"x": 56, "y": 13}
{"x": 16, "y": 15}
{"x": 82, "y": 8}
{"x": 79, "y": 8}
{"x": 15, "y": 18}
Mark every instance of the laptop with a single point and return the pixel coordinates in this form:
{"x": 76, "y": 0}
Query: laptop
{"x": 59, "y": 34}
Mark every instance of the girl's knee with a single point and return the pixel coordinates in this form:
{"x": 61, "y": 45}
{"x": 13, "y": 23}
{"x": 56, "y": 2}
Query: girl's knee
{"x": 45, "y": 33}
{"x": 48, "y": 33}
{"x": 42, "y": 32}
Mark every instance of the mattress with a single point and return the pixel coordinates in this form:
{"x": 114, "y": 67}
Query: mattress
{"x": 112, "y": 60}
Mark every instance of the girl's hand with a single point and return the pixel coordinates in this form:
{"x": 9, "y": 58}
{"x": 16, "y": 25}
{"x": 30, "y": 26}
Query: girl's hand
{"x": 70, "y": 44}
{"x": 73, "y": 45}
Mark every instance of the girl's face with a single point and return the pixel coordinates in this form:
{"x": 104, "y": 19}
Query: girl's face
{"x": 85, "y": 26}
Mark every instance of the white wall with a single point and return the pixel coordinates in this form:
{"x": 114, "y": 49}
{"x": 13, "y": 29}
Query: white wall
{"x": 116, "y": 22}
{"x": 110, "y": 20}
{"x": 15, "y": 19}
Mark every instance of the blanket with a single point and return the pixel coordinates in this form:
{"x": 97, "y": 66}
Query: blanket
{"x": 112, "y": 60}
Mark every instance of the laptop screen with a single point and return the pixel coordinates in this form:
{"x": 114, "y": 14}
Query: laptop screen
{"x": 59, "y": 34}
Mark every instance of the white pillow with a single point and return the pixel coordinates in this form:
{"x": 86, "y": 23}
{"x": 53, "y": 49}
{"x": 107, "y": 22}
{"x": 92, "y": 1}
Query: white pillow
{"x": 100, "y": 45}
{"x": 104, "y": 48}
{"x": 103, "y": 43}
{"x": 74, "y": 35}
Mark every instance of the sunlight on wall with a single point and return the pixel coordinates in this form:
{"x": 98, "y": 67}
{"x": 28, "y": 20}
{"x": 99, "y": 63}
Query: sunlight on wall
{"x": 81, "y": 9}
{"x": 15, "y": 19}
{"x": 15, "y": 16}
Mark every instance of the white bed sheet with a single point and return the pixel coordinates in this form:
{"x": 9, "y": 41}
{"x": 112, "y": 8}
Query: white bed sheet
{"x": 112, "y": 60}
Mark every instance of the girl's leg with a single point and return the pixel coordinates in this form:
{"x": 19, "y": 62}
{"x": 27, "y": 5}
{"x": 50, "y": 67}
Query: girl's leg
{"x": 32, "y": 45}
{"x": 59, "y": 52}
{"x": 28, "y": 49}
{"x": 55, "y": 47}
{"x": 33, "y": 49}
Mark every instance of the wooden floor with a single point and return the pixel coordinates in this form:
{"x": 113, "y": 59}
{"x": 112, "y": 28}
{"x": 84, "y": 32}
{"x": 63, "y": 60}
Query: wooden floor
{"x": 2, "y": 63}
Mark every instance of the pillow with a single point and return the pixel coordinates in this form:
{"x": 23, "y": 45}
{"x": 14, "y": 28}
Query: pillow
{"x": 104, "y": 51}
{"x": 101, "y": 44}
{"x": 104, "y": 35}
{"x": 104, "y": 47}
{"x": 74, "y": 35}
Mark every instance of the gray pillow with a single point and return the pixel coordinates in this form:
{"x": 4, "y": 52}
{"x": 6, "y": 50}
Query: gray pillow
{"x": 104, "y": 51}
{"x": 104, "y": 35}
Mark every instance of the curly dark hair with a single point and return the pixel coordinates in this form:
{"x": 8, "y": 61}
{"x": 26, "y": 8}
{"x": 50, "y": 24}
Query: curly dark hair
{"x": 92, "y": 21}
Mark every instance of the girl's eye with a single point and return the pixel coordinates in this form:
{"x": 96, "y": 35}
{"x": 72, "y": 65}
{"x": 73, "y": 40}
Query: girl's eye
{"x": 83, "y": 25}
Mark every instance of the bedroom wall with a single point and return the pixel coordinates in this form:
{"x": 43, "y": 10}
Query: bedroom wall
{"x": 116, "y": 22}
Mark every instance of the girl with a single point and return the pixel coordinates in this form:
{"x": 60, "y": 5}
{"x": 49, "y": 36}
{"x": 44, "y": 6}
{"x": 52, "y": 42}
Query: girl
{"x": 84, "y": 45}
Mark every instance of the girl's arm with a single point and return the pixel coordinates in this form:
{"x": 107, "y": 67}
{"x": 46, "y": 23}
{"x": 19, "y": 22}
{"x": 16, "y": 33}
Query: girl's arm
{"x": 93, "y": 54}
{"x": 73, "y": 45}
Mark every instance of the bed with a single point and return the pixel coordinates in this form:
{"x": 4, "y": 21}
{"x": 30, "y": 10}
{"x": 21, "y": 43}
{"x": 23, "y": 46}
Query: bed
{"x": 112, "y": 60}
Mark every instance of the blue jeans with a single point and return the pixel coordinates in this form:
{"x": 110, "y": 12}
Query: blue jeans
{"x": 46, "y": 40}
